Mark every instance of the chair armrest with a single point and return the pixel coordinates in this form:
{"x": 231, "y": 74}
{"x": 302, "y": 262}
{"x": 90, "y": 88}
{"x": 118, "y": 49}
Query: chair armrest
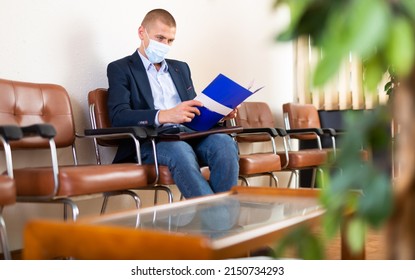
{"x": 198, "y": 134}
{"x": 260, "y": 134}
{"x": 8, "y": 133}
{"x": 258, "y": 130}
{"x": 42, "y": 130}
{"x": 272, "y": 131}
{"x": 135, "y": 133}
{"x": 299, "y": 133}
{"x": 11, "y": 132}
{"x": 317, "y": 131}
{"x": 341, "y": 131}
{"x": 118, "y": 132}
{"x": 281, "y": 131}
{"x": 330, "y": 131}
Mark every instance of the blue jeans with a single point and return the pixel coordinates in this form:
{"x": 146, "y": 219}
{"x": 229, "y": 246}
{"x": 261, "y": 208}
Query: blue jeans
{"x": 218, "y": 151}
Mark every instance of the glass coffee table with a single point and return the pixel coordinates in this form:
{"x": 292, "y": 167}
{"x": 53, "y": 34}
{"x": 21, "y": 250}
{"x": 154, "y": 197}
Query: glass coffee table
{"x": 226, "y": 225}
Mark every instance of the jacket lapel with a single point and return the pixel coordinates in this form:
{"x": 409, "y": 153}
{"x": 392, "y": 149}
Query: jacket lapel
{"x": 177, "y": 80}
{"x": 141, "y": 79}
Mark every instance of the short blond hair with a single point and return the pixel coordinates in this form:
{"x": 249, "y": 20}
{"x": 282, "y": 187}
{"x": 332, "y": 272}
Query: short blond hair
{"x": 158, "y": 14}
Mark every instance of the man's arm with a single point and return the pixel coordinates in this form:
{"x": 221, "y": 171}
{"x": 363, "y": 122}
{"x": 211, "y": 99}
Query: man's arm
{"x": 182, "y": 113}
{"x": 123, "y": 110}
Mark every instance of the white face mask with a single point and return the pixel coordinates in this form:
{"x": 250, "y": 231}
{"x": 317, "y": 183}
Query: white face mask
{"x": 156, "y": 51}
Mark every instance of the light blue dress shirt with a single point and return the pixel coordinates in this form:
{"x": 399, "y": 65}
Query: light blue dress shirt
{"x": 164, "y": 91}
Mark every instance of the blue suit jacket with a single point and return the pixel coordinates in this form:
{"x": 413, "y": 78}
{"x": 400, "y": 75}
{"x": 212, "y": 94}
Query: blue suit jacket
{"x": 130, "y": 101}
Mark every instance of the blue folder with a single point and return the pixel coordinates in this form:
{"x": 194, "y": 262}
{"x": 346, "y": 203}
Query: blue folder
{"x": 224, "y": 91}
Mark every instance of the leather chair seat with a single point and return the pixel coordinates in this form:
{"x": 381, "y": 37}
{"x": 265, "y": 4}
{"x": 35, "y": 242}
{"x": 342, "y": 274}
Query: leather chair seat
{"x": 258, "y": 163}
{"x": 79, "y": 180}
{"x": 303, "y": 158}
{"x": 7, "y": 191}
{"x": 165, "y": 177}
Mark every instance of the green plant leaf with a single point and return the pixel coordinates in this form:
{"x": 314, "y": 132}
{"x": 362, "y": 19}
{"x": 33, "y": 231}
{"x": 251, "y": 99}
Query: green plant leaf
{"x": 389, "y": 91}
{"x": 400, "y": 49}
{"x": 309, "y": 247}
{"x": 376, "y": 203}
{"x": 366, "y": 26}
{"x": 388, "y": 86}
{"x": 326, "y": 69}
{"x": 307, "y": 17}
{"x": 331, "y": 223}
{"x": 304, "y": 241}
{"x": 297, "y": 9}
{"x": 409, "y": 7}
{"x": 373, "y": 72}
{"x": 355, "y": 234}
{"x": 355, "y": 26}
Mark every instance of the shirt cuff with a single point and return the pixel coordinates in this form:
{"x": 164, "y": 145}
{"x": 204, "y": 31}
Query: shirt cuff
{"x": 156, "y": 119}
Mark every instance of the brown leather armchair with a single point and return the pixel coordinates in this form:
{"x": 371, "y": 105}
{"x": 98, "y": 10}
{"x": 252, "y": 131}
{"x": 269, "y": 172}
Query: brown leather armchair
{"x": 305, "y": 116}
{"x": 258, "y": 128}
{"x": 159, "y": 176}
{"x": 259, "y": 115}
{"x": 7, "y": 186}
{"x": 44, "y": 113}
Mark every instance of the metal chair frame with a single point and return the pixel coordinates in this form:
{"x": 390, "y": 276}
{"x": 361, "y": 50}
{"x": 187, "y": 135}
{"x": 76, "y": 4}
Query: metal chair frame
{"x": 153, "y": 186}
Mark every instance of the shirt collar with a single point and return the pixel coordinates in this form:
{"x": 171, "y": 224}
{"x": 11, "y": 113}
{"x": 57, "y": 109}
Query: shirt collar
{"x": 147, "y": 64}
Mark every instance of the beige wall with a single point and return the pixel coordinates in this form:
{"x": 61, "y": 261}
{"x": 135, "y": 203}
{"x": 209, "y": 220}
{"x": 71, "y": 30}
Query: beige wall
{"x": 71, "y": 42}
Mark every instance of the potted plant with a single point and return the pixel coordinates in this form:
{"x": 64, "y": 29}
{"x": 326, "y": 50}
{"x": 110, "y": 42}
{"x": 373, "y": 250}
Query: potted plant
{"x": 381, "y": 33}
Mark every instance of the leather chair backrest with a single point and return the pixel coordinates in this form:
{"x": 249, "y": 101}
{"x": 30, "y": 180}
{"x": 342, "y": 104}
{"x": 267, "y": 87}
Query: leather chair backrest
{"x": 254, "y": 115}
{"x": 97, "y": 100}
{"x": 23, "y": 103}
{"x": 302, "y": 116}
{"x": 7, "y": 191}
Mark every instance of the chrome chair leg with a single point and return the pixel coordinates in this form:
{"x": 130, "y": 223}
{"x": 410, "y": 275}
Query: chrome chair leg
{"x": 273, "y": 177}
{"x": 68, "y": 202}
{"x": 161, "y": 188}
{"x": 292, "y": 175}
{"x": 244, "y": 180}
{"x": 136, "y": 198}
{"x": 3, "y": 234}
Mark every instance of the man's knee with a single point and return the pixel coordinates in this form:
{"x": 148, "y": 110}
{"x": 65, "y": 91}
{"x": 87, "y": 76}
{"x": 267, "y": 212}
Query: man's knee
{"x": 177, "y": 153}
{"x": 228, "y": 144}
{"x": 225, "y": 148}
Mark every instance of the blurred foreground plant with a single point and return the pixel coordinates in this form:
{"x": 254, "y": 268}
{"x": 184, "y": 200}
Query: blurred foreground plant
{"x": 359, "y": 186}
{"x": 381, "y": 33}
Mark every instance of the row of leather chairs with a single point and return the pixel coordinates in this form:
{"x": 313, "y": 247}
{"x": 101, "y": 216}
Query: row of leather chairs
{"x": 257, "y": 117}
{"x": 258, "y": 125}
{"x": 44, "y": 115}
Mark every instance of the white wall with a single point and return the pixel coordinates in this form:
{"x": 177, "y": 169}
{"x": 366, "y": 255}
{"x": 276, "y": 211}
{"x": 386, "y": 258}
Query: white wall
{"x": 71, "y": 42}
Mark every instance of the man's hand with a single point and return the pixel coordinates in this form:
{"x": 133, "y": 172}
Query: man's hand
{"x": 184, "y": 112}
{"x": 232, "y": 114}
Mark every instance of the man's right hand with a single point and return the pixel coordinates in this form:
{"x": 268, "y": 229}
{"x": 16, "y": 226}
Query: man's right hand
{"x": 184, "y": 112}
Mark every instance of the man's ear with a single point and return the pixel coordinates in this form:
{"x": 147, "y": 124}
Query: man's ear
{"x": 141, "y": 32}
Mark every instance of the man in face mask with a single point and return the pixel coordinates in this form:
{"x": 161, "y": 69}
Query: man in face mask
{"x": 146, "y": 89}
